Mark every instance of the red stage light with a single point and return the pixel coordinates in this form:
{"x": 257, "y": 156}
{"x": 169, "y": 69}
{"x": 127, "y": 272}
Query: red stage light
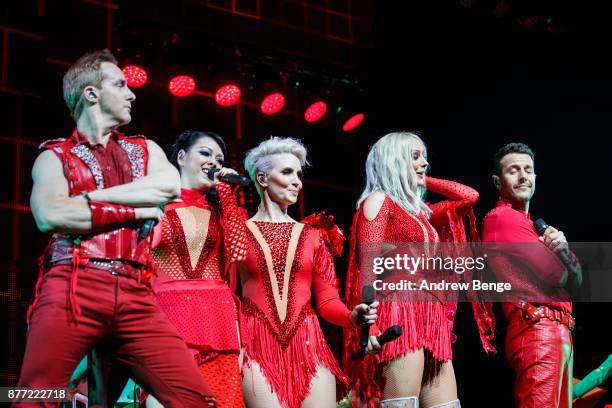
{"x": 227, "y": 95}
{"x": 353, "y": 122}
{"x": 181, "y": 85}
{"x": 272, "y": 104}
{"x": 135, "y": 76}
{"x": 315, "y": 111}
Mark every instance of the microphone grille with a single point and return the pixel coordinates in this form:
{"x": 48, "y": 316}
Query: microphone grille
{"x": 211, "y": 172}
{"x": 540, "y": 226}
{"x": 368, "y": 294}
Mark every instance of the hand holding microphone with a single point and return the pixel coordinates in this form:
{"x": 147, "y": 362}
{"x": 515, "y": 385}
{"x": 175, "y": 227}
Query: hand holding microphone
{"x": 551, "y": 237}
{"x": 364, "y": 314}
{"x": 228, "y": 176}
{"x": 376, "y": 343}
{"x": 151, "y": 215}
{"x": 555, "y": 240}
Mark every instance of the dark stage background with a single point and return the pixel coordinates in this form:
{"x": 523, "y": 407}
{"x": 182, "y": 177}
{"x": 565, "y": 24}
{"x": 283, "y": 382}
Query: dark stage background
{"x": 469, "y": 75}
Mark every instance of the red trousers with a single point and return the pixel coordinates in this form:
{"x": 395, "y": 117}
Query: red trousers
{"x": 541, "y": 355}
{"x": 121, "y": 312}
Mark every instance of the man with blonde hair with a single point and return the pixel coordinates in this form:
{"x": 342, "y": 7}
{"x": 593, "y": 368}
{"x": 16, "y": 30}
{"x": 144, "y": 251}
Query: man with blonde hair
{"x": 95, "y": 191}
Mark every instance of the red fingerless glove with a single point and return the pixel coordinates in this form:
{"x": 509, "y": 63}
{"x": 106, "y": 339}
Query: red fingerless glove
{"x": 107, "y": 216}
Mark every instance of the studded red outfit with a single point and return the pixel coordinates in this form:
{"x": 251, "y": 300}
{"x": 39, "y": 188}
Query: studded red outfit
{"x": 287, "y": 264}
{"x": 540, "y": 352}
{"x": 94, "y": 288}
{"x": 197, "y": 245}
{"x": 426, "y": 324}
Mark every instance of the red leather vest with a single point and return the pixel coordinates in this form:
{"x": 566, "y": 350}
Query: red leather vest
{"x": 84, "y": 174}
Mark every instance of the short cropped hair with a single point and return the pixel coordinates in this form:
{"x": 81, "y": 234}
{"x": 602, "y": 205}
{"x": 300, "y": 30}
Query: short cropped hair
{"x": 84, "y": 72}
{"x": 259, "y": 158}
{"x": 520, "y": 148}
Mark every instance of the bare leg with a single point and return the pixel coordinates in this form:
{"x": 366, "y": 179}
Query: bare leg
{"x": 442, "y": 390}
{"x": 322, "y": 390}
{"x": 256, "y": 390}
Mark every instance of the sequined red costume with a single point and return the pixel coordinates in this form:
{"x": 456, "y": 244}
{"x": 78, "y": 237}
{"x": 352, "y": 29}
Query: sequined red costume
{"x": 197, "y": 245}
{"x": 95, "y": 288}
{"x": 540, "y": 351}
{"x": 286, "y": 264}
{"x": 425, "y": 324}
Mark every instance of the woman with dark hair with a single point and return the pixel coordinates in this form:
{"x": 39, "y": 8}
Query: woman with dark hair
{"x": 417, "y": 367}
{"x": 288, "y": 270}
{"x": 200, "y": 238}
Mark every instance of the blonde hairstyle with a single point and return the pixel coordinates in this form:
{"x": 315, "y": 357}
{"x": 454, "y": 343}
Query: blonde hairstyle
{"x": 84, "y": 72}
{"x": 389, "y": 170}
{"x": 260, "y": 157}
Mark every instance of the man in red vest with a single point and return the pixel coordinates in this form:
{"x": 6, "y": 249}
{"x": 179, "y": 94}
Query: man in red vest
{"x": 94, "y": 191}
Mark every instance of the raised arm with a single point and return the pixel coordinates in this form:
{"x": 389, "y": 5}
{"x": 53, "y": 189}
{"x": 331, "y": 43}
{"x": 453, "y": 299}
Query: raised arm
{"x": 161, "y": 184}
{"x": 234, "y": 224}
{"x": 460, "y": 198}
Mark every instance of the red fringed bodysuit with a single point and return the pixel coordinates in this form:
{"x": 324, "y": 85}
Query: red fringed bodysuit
{"x": 287, "y": 263}
{"x": 197, "y": 245}
{"x": 426, "y": 324}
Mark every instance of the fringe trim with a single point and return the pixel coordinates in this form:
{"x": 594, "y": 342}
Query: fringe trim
{"x": 324, "y": 264}
{"x": 289, "y": 370}
{"x": 481, "y": 308}
{"x": 424, "y": 324}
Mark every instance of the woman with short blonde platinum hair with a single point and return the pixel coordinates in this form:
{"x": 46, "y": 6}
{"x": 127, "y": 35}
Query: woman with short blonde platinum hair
{"x": 259, "y": 159}
{"x": 416, "y": 368}
{"x": 288, "y": 363}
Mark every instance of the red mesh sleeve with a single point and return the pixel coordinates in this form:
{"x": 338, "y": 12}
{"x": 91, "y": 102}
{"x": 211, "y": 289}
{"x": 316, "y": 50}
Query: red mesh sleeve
{"x": 461, "y": 199}
{"x": 234, "y": 224}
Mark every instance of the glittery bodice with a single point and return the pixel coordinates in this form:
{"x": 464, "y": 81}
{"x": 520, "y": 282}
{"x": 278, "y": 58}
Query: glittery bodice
{"x": 189, "y": 246}
{"x": 191, "y": 260}
{"x": 277, "y": 237}
{"x": 287, "y": 267}
{"x": 425, "y": 324}
{"x": 399, "y": 226}
{"x": 288, "y": 263}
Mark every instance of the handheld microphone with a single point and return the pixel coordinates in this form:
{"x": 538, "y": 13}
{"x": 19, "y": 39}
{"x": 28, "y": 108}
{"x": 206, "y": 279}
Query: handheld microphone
{"x": 146, "y": 227}
{"x": 540, "y": 226}
{"x": 368, "y": 295}
{"x": 388, "y": 335}
{"x": 229, "y": 178}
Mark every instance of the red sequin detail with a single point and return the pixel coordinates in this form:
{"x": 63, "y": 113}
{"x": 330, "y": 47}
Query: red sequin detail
{"x": 426, "y": 324}
{"x": 286, "y": 332}
{"x": 180, "y": 245}
{"x": 289, "y": 352}
{"x": 222, "y": 373}
{"x": 277, "y": 235}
